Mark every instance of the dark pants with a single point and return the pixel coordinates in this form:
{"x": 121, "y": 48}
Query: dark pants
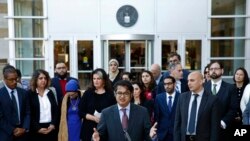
{"x": 190, "y": 138}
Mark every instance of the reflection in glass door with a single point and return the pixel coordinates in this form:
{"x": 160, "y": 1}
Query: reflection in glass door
{"x": 133, "y": 56}
{"x": 193, "y": 54}
{"x": 61, "y": 52}
{"x": 168, "y": 46}
{"x": 84, "y": 62}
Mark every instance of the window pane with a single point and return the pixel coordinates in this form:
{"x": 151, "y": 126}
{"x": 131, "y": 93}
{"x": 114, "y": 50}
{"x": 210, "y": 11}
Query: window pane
{"x": 29, "y": 49}
{"x": 228, "y": 7}
{"x": 61, "y": 52}
{"x": 227, "y": 48}
{"x": 193, "y": 54}
{"x": 84, "y": 80}
{"x": 228, "y": 27}
{"x": 117, "y": 51}
{"x": 28, "y": 7}
{"x": 168, "y": 46}
{"x": 137, "y": 49}
{"x": 231, "y": 65}
{"x": 29, "y": 28}
{"x": 85, "y": 55}
{"x": 27, "y": 67}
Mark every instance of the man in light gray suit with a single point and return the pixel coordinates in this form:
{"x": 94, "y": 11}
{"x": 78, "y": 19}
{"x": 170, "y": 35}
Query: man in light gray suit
{"x": 124, "y": 121}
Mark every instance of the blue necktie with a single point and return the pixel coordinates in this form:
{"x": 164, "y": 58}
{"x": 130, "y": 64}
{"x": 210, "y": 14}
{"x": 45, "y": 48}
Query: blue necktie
{"x": 15, "y": 108}
{"x": 170, "y": 103}
{"x": 192, "y": 118}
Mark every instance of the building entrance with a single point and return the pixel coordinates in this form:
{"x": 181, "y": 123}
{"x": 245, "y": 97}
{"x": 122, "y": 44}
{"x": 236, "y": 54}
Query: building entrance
{"x": 133, "y": 52}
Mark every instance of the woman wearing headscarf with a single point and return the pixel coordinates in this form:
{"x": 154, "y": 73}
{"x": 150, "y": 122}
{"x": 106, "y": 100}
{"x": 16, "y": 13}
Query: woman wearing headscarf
{"x": 70, "y": 123}
{"x": 114, "y": 73}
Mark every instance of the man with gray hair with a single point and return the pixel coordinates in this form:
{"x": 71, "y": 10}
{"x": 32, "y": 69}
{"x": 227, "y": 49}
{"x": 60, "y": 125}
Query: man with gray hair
{"x": 175, "y": 70}
{"x": 156, "y": 71}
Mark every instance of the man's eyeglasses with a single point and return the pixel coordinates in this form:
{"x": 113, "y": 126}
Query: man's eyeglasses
{"x": 173, "y": 61}
{"x": 170, "y": 83}
{"x": 12, "y": 79}
{"x": 211, "y": 69}
{"x": 126, "y": 94}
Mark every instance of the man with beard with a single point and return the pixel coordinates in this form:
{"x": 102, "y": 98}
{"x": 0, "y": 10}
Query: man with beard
{"x": 226, "y": 93}
{"x": 165, "y": 106}
{"x": 60, "y": 80}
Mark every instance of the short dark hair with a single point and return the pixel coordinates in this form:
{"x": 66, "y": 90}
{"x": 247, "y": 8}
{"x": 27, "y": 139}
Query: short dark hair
{"x": 8, "y": 69}
{"x": 218, "y": 62}
{"x": 19, "y": 74}
{"x": 170, "y": 77}
{"x": 172, "y": 54}
{"x": 124, "y": 83}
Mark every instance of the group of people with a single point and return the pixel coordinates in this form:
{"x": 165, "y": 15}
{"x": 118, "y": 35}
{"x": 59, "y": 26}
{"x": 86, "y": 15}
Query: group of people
{"x": 177, "y": 105}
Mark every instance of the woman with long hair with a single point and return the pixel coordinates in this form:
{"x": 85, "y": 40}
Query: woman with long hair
{"x": 97, "y": 97}
{"x": 140, "y": 99}
{"x": 147, "y": 79}
{"x": 43, "y": 107}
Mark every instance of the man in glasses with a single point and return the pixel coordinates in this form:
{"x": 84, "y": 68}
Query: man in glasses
{"x": 14, "y": 108}
{"x": 165, "y": 106}
{"x": 175, "y": 58}
{"x": 226, "y": 94}
{"x": 125, "y": 120}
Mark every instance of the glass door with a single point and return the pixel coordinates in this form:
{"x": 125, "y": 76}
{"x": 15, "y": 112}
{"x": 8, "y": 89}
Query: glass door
{"x": 133, "y": 54}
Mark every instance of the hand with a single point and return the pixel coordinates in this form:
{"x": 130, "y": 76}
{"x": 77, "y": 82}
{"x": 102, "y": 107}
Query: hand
{"x": 18, "y": 132}
{"x": 97, "y": 119}
{"x": 95, "y": 136}
{"x": 51, "y": 127}
{"x": 43, "y": 131}
{"x": 238, "y": 119}
{"x": 153, "y": 130}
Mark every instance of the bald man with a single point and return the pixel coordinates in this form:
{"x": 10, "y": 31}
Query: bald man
{"x": 197, "y": 114}
{"x": 156, "y": 71}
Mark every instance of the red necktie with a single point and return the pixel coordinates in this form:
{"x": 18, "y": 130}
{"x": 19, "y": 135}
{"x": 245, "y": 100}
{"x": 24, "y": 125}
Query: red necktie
{"x": 124, "y": 120}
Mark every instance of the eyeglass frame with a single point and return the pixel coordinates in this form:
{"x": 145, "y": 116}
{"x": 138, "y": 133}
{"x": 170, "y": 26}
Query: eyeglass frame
{"x": 126, "y": 94}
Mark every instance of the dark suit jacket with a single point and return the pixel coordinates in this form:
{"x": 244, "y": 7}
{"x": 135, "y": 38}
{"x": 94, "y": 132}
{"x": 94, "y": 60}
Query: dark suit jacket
{"x": 35, "y": 110}
{"x": 228, "y": 101}
{"x": 208, "y": 120}
{"x": 55, "y": 82}
{"x": 6, "y": 113}
{"x": 110, "y": 128}
{"x": 163, "y": 116}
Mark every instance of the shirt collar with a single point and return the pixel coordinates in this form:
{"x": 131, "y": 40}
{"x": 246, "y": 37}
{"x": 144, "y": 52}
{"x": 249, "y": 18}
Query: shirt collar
{"x": 173, "y": 95}
{"x": 200, "y": 93}
{"x": 218, "y": 83}
{"x": 127, "y": 107}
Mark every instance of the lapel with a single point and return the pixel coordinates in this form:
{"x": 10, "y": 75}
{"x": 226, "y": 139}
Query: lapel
{"x": 163, "y": 100}
{"x": 222, "y": 88}
{"x": 6, "y": 93}
{"x": 186, "y": 106}
{"x": 19, "y": 94}
{"x": 132, "y": 118}
{"x": 202, "y": 104}
{"x": 116, "y": 116}
{"x": 175, "y": 101}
